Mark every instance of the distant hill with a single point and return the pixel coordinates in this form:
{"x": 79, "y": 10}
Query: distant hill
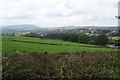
{"x": 32, "y": 28}
{"x": 21, "y": 28}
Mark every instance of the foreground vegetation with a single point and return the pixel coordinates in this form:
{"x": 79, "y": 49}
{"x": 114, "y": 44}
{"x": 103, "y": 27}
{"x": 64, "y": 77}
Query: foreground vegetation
{"x": 76, "y": 65}
{"x": 32, "y": 58}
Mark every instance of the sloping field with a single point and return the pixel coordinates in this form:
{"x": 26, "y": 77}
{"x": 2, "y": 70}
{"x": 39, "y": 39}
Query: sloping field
{"x": 29, "y": 44}
{"x": 115, "y": 38}
{"x": 27, "y": 58}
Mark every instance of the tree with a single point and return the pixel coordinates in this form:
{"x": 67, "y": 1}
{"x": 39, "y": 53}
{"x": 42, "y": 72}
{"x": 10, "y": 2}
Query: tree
{"x": 70, "y": 37}
{"x": 63, "y": 36}
{"x": 32, "y": 35}
{"x": 101, "y": 39}
{"x": 83, "y": 38}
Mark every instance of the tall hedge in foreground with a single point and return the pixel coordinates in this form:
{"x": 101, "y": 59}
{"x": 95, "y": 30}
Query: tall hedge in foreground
{"x": 61, "y": 66}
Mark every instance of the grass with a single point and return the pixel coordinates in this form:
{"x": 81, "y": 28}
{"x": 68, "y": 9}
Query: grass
{"x": 8, "y": 46}
{"x": 115, "y": 38}
{"x": 37, "y": 61}
{"x": 48, "y": 41}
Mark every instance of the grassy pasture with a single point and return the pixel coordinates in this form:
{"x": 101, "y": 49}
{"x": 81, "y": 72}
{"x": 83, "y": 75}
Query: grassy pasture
{"x": 28, "y": 60}
{"x": 115, "y": 38}
{"x": 8, "y": 45}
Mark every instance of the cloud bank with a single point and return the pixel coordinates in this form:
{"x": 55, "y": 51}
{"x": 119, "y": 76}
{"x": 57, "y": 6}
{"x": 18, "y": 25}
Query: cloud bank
{"x": 54, "y": 13}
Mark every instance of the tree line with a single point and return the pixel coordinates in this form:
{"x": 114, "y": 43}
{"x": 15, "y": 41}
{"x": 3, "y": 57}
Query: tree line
{"x": 101, "y": 39}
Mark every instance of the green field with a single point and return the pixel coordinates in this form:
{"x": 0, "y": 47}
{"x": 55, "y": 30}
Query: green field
{"x": 30, "y": 44}
{"x": 27, "y": 58}
{"x": 115, "y": 38}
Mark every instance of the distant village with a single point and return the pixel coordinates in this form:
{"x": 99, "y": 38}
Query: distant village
{"x": 89, "y": 31}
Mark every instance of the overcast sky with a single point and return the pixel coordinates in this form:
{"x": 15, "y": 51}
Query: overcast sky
{"x": 53, "y": 13}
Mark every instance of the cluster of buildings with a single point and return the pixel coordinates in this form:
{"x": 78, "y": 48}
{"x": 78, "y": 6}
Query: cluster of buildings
{"x": 89, "y": 31}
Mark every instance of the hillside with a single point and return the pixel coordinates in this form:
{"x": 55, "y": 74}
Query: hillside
{"x": 32, "y": 58}
{"x": 48, "y": 45}
{"x": 21, "y": 28}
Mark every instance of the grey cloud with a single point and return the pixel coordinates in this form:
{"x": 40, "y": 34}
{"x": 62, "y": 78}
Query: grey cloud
{"x": 57, "y": 12}
{"x": 58, "y": 15}
{"x": 17, "y": 17}
{"x": 70, "y": 14}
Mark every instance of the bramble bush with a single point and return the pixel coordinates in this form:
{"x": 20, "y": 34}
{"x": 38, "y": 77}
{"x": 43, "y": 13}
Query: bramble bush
{"x": 63, "y": 65}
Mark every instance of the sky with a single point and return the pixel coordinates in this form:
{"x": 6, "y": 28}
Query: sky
{"x": 56, "y": 13}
